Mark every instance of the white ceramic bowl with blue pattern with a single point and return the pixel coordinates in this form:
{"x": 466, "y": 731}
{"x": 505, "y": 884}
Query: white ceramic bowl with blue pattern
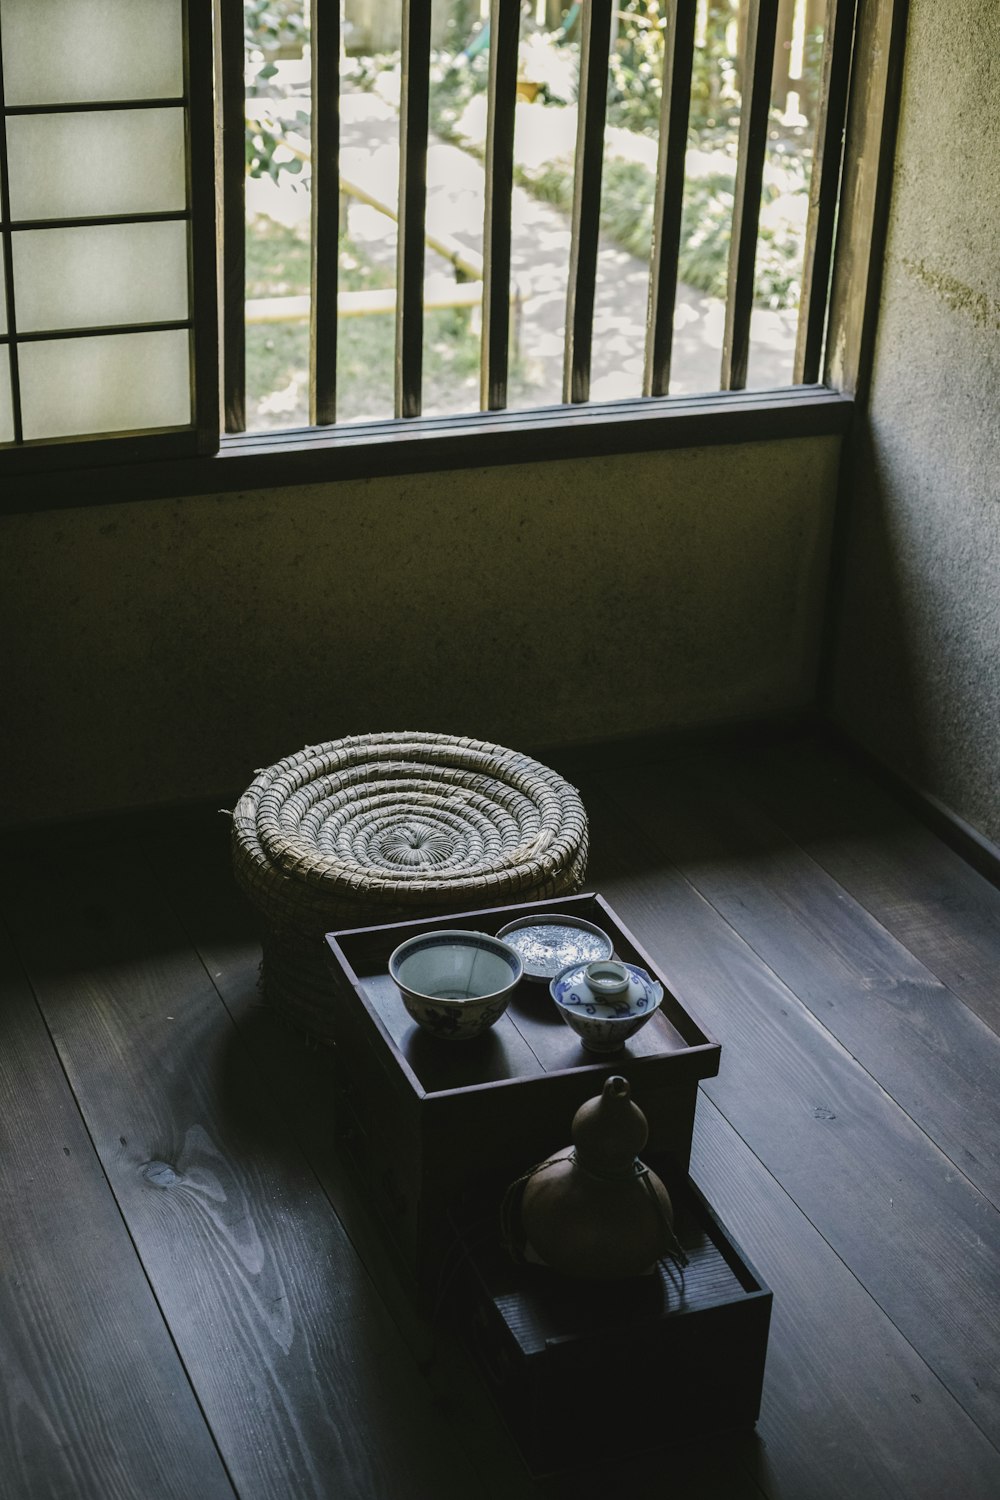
{"x": 455, "y": 984}
{"x": 605, "y": 1002}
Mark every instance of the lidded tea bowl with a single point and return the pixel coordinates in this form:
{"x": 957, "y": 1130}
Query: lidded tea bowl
{"x": 605, "y": 1002}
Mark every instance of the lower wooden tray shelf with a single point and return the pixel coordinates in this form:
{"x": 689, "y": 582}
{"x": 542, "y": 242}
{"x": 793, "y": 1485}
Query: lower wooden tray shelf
{"x": 582, "y": 1371}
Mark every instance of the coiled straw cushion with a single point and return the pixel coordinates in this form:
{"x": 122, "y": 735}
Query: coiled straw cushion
{"x": 374, "y": 828}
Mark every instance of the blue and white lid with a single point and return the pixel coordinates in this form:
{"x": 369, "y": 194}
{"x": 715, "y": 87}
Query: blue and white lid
{"x": 594, "y": 989}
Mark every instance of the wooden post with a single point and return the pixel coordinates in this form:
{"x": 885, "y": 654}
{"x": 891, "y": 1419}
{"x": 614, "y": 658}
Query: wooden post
{"x": 824, "y": 192}
{"x": 412, "y": 205}
{"x": 594, "y": 52}
{"x": 876, "y": 82}
{"x": 677, "y": 55}
{"x": 327, "y": 208}
{"x": 233, "y": 215}
{"x": 758, "y": 60}
{"x": 505, "y": 21}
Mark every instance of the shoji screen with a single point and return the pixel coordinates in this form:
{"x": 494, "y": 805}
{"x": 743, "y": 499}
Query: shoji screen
{"x": 106, "y": 219}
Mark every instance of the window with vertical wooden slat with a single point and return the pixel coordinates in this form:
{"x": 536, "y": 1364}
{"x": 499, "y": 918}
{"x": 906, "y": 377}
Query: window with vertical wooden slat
{"x": 522, "y": 203}
{"x": 317, "y": 214}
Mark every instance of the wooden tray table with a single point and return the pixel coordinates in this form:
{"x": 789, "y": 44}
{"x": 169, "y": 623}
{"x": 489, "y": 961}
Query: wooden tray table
{"x": 420, "y": 1117}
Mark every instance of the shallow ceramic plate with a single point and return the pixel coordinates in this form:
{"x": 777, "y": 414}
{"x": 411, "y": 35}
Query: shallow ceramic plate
{"x": 549, "y": 944}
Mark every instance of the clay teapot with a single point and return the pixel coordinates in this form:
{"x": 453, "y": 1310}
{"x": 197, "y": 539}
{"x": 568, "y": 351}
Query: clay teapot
{"x": 594, "y": 1210}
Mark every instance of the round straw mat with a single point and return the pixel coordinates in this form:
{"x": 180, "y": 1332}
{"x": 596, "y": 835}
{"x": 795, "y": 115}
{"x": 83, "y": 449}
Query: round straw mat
{"x": 377, "y": 828}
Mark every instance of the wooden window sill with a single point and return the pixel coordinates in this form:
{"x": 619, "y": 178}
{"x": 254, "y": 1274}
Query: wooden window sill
{"x": 122, "y": 470}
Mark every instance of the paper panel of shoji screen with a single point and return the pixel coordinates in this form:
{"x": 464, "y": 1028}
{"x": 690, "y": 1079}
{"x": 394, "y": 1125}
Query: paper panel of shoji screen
{"x": 74, "y": 51}
{"x": 124, "y": 161}
{"x": 6, "y": 409}
{"x": 100, "y": 275}
{"x": 108, "y": 383}
{"x": 3, "y": 297}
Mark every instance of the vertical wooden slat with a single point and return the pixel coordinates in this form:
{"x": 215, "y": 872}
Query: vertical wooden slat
{"x": 869, "y": 150}
{"x": 325, "y": 44}
{"x": 824, "y": 190}
{"x": 678, "y": 57}
{"x": 233, "y": 214}
{"x": 595, "y": 44}
{"x": 505, "y": 21}
{"x": 8, "y": 264}
{"x": 200, "y": 136}
{"x": 412, "y": 204}
{"x": 758, "y": 62}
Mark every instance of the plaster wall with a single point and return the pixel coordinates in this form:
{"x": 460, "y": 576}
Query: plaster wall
{"x": 160, "y": 652}
{"x": 917, "y": 675}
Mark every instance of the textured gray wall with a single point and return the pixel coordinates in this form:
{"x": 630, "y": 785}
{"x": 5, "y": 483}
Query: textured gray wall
{"x": 918, "y": 669}
{"x": 161, "y": 651}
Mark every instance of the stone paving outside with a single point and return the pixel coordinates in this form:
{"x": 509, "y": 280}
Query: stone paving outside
{"x": 539, "y": 267}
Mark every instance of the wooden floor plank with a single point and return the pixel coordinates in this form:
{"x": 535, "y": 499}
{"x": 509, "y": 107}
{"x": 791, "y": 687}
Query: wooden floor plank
{"x": 284, "y": 1339}
{"x": 849, "y": 1408}
{"x": 936, "y": 1058}
{"x": 95, "y": 1402}
{"x": 935, "y": 903}
{"x": 920, "y": 1238}
{"x": 194, "y": 874}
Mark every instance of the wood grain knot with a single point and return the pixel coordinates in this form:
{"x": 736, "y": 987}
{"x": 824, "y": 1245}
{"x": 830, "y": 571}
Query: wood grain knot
{"x": 160, "y": 1173}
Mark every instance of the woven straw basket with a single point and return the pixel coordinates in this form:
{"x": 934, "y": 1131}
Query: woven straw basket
{"x": 385, "y": 827}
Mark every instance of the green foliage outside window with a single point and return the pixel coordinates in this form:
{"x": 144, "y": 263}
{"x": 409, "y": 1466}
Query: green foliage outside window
{"x": 271, "y": 28}
{"x": 636, "y": 89}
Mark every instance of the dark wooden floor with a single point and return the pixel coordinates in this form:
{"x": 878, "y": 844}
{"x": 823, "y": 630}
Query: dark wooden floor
{"x": 193, "y": 1302}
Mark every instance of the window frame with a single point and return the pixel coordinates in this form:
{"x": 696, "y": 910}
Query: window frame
{"x": 199, "y": 460}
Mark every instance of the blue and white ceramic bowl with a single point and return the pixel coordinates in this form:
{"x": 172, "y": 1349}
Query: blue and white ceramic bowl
{"x": 605, "y": 1002}
{"x": 455, "y": 984}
